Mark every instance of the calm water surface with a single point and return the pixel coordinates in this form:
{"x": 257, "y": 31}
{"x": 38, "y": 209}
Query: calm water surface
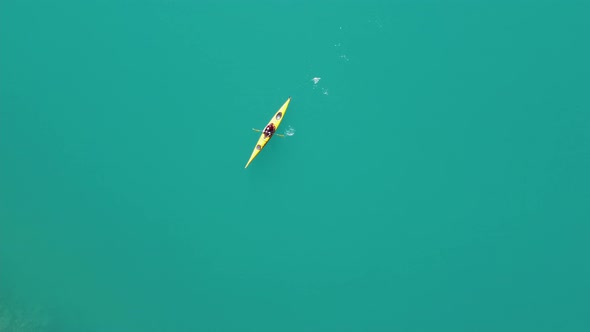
{"x": 437, "y": 179}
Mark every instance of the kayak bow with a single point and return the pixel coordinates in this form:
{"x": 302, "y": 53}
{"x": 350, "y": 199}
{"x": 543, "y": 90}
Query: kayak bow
{"x": 265, "y": 137}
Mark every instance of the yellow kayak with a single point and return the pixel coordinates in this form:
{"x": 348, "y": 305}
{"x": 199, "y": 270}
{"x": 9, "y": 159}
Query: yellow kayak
{"x": 269, "y": 130}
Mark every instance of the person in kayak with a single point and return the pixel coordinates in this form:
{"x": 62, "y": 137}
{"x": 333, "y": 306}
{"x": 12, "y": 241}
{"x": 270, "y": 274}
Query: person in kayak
{"x": 269, "y": 130}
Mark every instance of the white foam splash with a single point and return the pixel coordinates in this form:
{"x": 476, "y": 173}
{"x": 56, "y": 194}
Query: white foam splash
{"x": 316, "y": 80}
{"x": 290, "y": 131}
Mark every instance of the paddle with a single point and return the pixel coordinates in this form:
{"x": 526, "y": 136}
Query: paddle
{"x": 258, "y": 130}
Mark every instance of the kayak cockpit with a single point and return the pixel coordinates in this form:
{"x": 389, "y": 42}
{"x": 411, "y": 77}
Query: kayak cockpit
{"x": 269, "y": 130}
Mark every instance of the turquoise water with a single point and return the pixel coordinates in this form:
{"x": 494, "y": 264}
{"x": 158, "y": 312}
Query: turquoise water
{"x": 437, "y": 179}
